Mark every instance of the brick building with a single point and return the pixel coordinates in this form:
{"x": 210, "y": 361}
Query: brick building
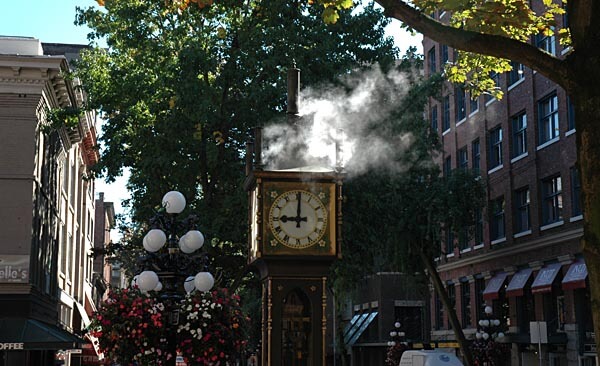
{"x": 525, "y": 260}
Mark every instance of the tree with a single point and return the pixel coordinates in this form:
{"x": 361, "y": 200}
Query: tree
{"x": 492, "y": 32}
{"x": 409, "y": 207}
{"x": 181, "y": 89}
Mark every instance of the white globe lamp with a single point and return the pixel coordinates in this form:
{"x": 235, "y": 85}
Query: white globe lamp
{"x": 173, "y": 202}
{"x": 204, "y": 281}
{"x": 183, "y": 245}
{"x": 154, "y": 240}
{"x": 194, "y": 239}
{"x": 159, "y": 286}
{"x": 188, "y": 285}
{"x": 147, "y": 280}
{"x": 488, "y": 309}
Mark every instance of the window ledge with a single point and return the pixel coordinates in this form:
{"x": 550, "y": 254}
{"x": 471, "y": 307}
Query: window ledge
{"x": 461, "y": 122}
{"x": 498, "y": 241}
{"x": 478, "y": 246}
{"x": 517, "y": 158}
{"x": 548, "y": 143}
{"x": 566, "y": 50}
{"x": 493, "y": 170}
{"x": 473, "y": 113}
{"x": 516, "y": 83}
{"x": 550, "y": 226}
{"x": 576, "y": 218}
{"x": 570, "y": 132}
{"x": 490, "y": 101}
{"x": 450, "y": 255}
{"x": 522, "y": 233}
{"x": 466, "y": 250}
{"x": 446, "y": 132}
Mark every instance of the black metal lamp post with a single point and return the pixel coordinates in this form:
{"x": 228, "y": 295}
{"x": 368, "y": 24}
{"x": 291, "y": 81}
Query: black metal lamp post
{"x": 396, "y": 345}
{"x": 173, "y": 264}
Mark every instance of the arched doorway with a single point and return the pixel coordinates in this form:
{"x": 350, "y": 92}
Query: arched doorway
{"x": 296, "y": 332}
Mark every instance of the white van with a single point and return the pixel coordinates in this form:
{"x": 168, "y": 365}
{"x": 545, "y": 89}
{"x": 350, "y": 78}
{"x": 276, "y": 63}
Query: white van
{"x": 429, "y": 358}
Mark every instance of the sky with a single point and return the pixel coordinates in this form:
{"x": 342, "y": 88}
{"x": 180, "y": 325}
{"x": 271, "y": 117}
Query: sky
{"x": 52, "y": 21}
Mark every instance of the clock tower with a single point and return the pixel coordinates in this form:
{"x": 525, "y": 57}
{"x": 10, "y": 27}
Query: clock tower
{"x": 294, "y": 236}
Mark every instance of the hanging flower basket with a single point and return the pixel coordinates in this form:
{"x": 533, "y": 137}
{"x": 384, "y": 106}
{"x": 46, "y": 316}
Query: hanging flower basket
{"x": 131, "y": 328}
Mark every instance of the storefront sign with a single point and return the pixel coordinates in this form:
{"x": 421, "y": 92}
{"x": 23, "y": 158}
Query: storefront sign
{"x": 14, "y": 268}
{"x": 11, "y": 346}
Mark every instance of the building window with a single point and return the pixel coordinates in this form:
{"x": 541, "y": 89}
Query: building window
{"x": 496, "y": 78}
{"x": 460, "y": 99}
{"x": 575, "y": 193}
{"x": 434, "y": 118}
{"x": 463, "y": 239}
{"x": 447, "y": 166}
{"x": 446, "y": 113}
{"x": 516, "y": 73}
{"x": 548, "y": 118}
{"x": 496, "y": 147}
{"x": 525, "y": 310}
{"x": 570, "y": 114}
{"x": 546, "y": 43}
{"x": 497, "y": 219}
{"x": 452, "y": 298}
{"x": 444, "y": 54}
{"x": 519, "y": 140}
{"x": 552, "y": 203}
{"x": 478, "y": 227}
{"x": 476, "y": 154}
{"x": 465, "y": 297}
{"x": 473, "y": 104}
{"x": 463, "y": 159}
{"x": 432, "y": 62}
{"x": 522, "y": 201}
{"x": 479, "y": 301}
{"x": 449, "y": 247}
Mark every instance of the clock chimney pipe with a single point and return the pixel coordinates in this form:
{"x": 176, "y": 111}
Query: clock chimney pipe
{"x": 293, "y": 89}
{"x": 258, "y": 148}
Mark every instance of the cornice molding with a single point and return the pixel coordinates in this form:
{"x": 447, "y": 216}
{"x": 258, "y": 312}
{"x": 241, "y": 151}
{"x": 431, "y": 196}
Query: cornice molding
{"x": 530, "y": 246}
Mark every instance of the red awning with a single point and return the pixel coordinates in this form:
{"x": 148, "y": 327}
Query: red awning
{"x": 518, "y": 282}
{"x": 492, "y": 290}
{"x": 545, "y": 278}
{"x": 575, "y": 277}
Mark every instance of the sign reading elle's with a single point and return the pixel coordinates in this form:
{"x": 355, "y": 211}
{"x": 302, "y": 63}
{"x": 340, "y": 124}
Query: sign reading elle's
{"x": 14, "y": 268}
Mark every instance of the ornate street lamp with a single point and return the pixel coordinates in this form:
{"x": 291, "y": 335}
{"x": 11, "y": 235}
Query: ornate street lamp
{"x": 486, "y": 348}
{"x": 396, "y": 345}
{"x": 173, "y": 264}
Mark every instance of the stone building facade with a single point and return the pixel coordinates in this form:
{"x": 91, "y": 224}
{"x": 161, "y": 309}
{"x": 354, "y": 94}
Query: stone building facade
{"x": 525, "y": 259}
{"x": 47, "y": 216}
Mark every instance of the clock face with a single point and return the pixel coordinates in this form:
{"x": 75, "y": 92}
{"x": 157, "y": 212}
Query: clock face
{"x": 298, "y": 219}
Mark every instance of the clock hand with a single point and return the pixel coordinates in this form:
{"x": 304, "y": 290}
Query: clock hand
{"x": 298, "y": 197}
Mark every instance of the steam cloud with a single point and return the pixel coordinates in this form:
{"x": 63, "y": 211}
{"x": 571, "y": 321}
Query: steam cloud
{"x": 354, "y": 115}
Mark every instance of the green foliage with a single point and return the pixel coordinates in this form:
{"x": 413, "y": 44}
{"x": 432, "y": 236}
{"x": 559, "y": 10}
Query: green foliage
{"x": 58, "y": 118}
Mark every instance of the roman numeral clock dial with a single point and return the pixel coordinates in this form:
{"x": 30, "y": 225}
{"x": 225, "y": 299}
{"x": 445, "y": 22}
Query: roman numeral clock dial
{"x": 297, "y": 219}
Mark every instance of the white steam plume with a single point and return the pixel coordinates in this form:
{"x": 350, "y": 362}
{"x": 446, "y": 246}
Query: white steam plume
{"x": 347, "y": 114}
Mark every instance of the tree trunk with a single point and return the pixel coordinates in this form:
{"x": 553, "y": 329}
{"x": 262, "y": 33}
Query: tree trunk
{"x": 456, "y": 326}
{"x": 587, "y": 103}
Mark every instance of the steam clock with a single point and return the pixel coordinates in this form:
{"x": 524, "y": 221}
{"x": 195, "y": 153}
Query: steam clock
{"x": 294, "y": 236}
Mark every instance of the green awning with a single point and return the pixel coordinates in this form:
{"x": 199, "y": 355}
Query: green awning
{"x": 31, "y": 334}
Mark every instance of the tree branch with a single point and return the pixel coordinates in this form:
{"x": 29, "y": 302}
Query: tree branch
{"x": 492, "y": 45}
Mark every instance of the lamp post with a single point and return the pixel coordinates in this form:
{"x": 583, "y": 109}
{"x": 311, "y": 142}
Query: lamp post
{"x": 173, "y": 264}
{"x": 489, "y": 332}
{"x": 396, "y": 345}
